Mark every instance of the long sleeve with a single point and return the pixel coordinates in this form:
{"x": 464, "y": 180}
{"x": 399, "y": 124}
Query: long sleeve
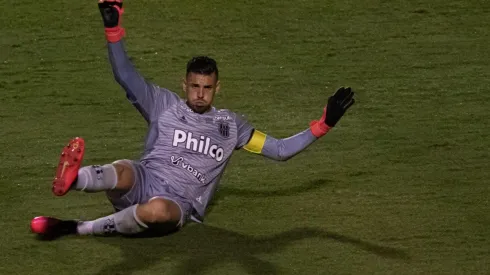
{"x": 147, "y": 97}
{"x": 284, "y": 149}
{"x": 279, "y": 149}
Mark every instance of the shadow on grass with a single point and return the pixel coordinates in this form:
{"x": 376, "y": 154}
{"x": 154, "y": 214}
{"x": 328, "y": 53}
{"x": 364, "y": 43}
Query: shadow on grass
{"x": 303, "y": 188}
{"x": 200, "y": 247}
{"x": 227, "y": 191}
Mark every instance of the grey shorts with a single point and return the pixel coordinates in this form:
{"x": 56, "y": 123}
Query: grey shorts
{"x": 146, "y": 188}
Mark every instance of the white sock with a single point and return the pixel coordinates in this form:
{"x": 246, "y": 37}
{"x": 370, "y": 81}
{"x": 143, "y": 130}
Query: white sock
{"x": 96, "y": 178}
{"x": 123, "y": 222}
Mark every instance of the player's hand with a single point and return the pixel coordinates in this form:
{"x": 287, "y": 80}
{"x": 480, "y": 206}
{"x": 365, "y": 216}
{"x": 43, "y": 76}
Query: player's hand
{"x": 112, "y": 11}
{"x": 336, "y": 107}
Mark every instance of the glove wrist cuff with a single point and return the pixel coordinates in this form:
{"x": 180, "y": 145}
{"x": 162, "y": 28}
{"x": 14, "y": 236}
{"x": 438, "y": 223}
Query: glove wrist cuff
{"x": 318, "y": 128}
{"x": 114, "y": 34}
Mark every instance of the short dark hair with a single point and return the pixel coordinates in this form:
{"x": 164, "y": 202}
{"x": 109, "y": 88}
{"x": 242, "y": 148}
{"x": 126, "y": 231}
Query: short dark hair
{"x": 202, "y": 65}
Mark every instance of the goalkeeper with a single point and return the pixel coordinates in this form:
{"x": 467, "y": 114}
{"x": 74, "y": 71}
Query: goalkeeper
{"x": 188, "y": 145}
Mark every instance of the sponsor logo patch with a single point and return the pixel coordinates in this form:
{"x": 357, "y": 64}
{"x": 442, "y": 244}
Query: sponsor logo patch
{"x": 222, "y": 118}
{"x": 201, "y": 145}
{"x": 180, "y": 162}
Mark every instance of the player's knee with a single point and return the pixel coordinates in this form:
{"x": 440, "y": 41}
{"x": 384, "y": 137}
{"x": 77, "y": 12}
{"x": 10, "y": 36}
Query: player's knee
{"x": 158, "y": 211}
{"x": 125, "y": 175}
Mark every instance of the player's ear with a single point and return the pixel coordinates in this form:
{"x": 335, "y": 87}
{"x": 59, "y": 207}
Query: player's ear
{"x": 218, "y": 86}
{"x": 184, "y": 85}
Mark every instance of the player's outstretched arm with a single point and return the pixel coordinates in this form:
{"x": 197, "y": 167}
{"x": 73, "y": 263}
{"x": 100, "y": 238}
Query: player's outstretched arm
{"x": 147, "y": 97}
{"x": 284, "y": 149}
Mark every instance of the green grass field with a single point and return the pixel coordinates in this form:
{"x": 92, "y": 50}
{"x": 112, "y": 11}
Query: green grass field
{"x": 400, "y": 186}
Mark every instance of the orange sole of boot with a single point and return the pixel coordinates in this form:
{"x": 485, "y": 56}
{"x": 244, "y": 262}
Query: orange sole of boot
{"x": 68, "y": 166}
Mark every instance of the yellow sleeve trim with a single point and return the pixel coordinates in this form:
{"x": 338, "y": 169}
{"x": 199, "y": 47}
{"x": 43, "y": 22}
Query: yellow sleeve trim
{"x": 256, "y": 143}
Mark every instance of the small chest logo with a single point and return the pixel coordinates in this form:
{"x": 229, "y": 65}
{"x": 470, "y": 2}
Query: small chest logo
{"x": 224, "y": 129}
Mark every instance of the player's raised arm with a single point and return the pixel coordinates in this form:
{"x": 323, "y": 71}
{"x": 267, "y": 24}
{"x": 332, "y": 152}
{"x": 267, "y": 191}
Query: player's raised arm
{"x": 284, "y": 149}
{"x": 147, "y": 97}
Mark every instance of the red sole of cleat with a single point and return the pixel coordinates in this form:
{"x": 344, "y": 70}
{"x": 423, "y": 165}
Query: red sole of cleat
{"x": 68, "y": 166}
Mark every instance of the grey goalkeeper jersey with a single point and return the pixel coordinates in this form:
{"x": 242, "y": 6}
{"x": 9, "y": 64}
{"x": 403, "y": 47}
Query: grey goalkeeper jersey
{"x": 190, "y": 151}
{"x": 186, "y": 150}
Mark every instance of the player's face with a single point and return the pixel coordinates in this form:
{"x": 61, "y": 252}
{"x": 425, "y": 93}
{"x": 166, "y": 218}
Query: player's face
{"x": 199, "y": 90}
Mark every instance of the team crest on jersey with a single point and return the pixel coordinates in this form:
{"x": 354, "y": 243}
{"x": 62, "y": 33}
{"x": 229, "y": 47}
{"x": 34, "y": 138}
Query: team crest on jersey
{"x": 224, "y": 129}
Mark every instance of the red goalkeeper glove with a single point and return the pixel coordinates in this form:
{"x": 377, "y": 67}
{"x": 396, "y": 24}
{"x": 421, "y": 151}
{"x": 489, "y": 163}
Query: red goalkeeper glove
{"x": 111, "y": 11}
{"x": 336, "y": 107}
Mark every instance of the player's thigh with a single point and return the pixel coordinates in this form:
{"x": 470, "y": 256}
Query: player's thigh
{"x": 132, "y": 188}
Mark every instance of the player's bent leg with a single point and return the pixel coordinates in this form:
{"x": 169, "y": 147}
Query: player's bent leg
{"x": 118, "y": 176}
{"x": 123, "y": 222}
{"x": 157, "y": 214}
{"x": 109, "y": 177}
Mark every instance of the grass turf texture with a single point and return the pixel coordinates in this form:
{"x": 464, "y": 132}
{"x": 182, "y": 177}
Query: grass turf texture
{"x": 399, "y": 187}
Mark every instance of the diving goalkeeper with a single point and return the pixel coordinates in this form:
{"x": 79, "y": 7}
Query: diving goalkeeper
{"x": 188, "y": 145}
